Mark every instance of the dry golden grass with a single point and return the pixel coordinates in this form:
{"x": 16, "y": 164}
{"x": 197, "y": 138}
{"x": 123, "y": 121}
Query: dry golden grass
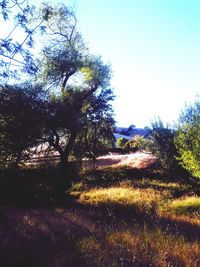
{"x": 162, "y": 245}
{"x": 187, "y": 205}
{"x": 183, "y": 210}
{"x": 141, "y": 222}
{"x": 132, "y": 160}
{"x": 141, "y": 199}
{"x": 144, "y": 195}
{"x": 139, "y": 248}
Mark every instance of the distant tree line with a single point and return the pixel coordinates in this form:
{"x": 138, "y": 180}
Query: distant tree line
{"x": 175, "y": 146}
{"x": 179, "y": 146}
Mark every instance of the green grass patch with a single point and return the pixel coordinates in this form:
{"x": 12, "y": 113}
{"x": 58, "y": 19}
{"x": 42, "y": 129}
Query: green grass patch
{"x": 124, "y": 195}
{"x": 189, "y": 205}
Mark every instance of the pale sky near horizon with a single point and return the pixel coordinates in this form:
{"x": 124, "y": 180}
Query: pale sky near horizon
{"x": 153, "y": 47}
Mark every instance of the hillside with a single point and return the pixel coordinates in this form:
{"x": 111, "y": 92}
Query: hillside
{"x": 130, "y": 132}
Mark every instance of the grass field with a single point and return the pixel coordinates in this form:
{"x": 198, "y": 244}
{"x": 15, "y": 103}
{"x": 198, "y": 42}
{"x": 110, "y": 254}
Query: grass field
{"x": 109, "y": 217}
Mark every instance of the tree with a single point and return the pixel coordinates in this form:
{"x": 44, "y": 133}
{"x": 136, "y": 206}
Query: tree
{"x": 20, "y": 120}
{"x": 162, "y": 144}
{"x": 121, "y": 142}
{"x": 96, "y": 133}
{"x": 74, "y": 75}
{"x": 137, "y": 143}
{"x": 67, "y": 111}
{"x": 187, "y": 139}
{"x": 17, "y": 42}
{"x": 70, "y": 73}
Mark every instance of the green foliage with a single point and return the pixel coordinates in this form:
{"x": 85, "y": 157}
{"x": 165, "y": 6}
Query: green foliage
{"x": 188, "y": 139}
{"x": 96, "y": 132}
{"x": 137, "y": 143}
{"x": 121, "y": 142}
{"x": 81, "y": 112}
{"x": 20, "y": 120}
{"x": 23, "y": 21}
{"x": 162, "y": 145}
{"x": 78, "y": 83}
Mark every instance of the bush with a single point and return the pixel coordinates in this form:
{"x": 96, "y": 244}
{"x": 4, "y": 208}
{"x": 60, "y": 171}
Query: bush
{"x": 162, "y": 145}
{"x": 21, "y": 115}
{"x": 121, "y": 142}
{"x": 187, "y": 139}
{"x": 137, "y": 143}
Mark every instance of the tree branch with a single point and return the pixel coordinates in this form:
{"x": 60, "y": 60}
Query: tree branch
{"x": 54, "y": 142}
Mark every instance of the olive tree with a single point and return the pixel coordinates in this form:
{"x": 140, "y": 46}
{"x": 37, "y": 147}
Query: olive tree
{"x": 96, "y": 134}
{"x": 20, "y": 24}
{"x": 21, "y": 121}
{"x": 73, "y": 75}
{"x": 68, "y": 71}
{"x": 161, "y": 144}
{"x": 187, "y": 139}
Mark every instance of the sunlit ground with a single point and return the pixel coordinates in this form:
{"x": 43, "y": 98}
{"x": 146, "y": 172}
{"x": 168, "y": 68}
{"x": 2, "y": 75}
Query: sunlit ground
{"x": 137, "y": 243}
{"x": 132, "y": 160}
{"x": 135, "y": 221}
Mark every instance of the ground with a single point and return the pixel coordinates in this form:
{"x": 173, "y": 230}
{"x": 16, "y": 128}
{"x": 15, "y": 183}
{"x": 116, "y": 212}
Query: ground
{"x": 130, "y": 215}
{"x": 133, "y": 160}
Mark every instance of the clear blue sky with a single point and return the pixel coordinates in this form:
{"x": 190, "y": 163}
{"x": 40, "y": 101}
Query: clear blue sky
{"x": 153, "y": 47}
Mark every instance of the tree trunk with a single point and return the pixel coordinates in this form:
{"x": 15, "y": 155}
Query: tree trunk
{"x": 64, "y": 154}
{"x": 65, "y": 172}
{"x": 65, "y": 168}
{"x": 63, "y": 161}
{"x": 69, "y": 146}
{"x": 94, "y": 161}
{"x": 18, "y": 159}
{"x": 95, "y": 146}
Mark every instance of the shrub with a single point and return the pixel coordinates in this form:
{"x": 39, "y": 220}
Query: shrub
{"x": 187, "y": 139}
{"x": 121, "y": 142}
{"x": 137, "y": 143}
{"x": 162, "y": 145}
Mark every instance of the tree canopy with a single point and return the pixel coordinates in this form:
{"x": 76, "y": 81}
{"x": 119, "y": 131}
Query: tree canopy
{"x": 162, "y": 144}
{"x": 75, "y": 84}
{"x": 21, "y": 118}
{"x": 188, "y": 138}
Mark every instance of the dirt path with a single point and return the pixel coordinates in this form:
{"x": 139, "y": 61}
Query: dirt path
{"x": 135, "y": 160}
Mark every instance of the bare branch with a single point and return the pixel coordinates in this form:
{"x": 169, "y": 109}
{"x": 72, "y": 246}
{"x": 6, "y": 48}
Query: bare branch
{"x": 25, "y": 39}
{"x": 10, "y": 58}
{"x": 12, "y": 31}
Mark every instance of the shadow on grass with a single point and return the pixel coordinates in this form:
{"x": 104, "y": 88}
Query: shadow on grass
{"x": 34, "y": 187}
{"x": 112, "y": 176}
{"x": 118, "y": 215}
{"x": 46, "y": 187}
{"x": 50, "y": 237}
{"x": 40, "y": 227}
{"x": 39, "y": 238}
